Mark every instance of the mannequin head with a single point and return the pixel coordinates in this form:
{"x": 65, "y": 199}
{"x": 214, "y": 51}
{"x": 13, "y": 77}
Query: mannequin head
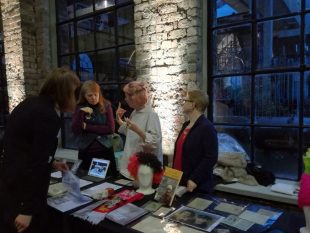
{"x": 145, "y": 168}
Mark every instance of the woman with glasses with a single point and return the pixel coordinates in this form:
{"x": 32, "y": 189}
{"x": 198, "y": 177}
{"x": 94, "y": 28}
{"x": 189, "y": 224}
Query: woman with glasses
{"x": 196, "y": 147}
{"x": 142, "y": 129}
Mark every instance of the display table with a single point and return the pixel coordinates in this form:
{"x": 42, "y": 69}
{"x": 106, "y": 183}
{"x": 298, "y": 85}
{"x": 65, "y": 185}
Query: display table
{"x": 290, "y": 219}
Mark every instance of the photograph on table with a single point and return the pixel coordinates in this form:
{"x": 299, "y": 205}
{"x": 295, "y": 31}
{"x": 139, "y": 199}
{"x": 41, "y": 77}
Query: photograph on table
{"x": 196, "y": 218}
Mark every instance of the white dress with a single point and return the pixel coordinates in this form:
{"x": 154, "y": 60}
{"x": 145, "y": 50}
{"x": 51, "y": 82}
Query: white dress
{"x": 148, "y": 121}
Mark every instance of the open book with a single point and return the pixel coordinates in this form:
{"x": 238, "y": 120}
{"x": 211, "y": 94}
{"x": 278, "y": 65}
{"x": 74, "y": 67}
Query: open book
{"x": 166, "y": 190}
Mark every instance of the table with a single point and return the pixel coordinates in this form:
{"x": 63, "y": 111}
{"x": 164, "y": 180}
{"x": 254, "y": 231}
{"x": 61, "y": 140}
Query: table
{"x": 290, "y": 221}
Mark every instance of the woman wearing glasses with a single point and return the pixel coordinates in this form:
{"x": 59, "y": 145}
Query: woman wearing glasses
{"x": 196, "y": 148}
{"x": 142, "y": 129}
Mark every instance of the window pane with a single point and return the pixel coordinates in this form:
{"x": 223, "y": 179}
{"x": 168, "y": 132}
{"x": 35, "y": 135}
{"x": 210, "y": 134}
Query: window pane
{"x": 112, "y": 93}
{"x": 277, "y": 98}
{"x": 233, "y": 50}
{"x": 276, "y": 149}
{"x": 307, "y": 39}
{"x": 64, "y": 10}
{"x": 85, "y": 31}
{"x": 86, "y": 68}
{"x": 122, "y": 1}
{"x": 234, "y": 138}
{"x": 67, "y": 61}
{"x": 306, "y": 142}
{"x": 232, "y": 99}
{"x": 268, "y": 8}
{"x": 71, "y": 140}
{"x": 101, "y": 4}
{"x": 66, "y": 38}
{"x": 307, "y": 4}
{"x": 127, "y": 62}
{"x": 83, "y": 7}
{"x": 106, "y": 65}
{"x": 278, "y": 43}
{"x": 226, "y": 12}
{"x": 307, "y": 98}
{"x": 105, "y": 32}
{"x": 125, "y": 25}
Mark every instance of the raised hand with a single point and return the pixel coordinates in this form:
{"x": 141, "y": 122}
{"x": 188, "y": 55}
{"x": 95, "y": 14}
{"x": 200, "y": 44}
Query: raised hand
{"x": 87, "y": 110}
{"x": 120, "y": 113}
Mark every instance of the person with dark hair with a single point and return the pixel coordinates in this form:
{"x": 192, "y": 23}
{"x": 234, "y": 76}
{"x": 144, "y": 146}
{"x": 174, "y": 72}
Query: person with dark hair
{"x": 30, "y": 143}
{"x": 196, "y": 147}
{"x": 93, "y": 121}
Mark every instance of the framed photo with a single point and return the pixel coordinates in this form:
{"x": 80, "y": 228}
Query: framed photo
{"x": 196, "y": 218}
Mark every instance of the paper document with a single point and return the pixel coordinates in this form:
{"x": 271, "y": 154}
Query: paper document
{"x": 254, "y": 217}
{"x": 56, "y": 174}
{"x": 97, "y": 188}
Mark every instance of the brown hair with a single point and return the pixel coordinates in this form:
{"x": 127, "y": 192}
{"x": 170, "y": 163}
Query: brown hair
{"x": 91, "y": 85}
{"x": 60, "y": 85}
{"x": 200, "y": 99}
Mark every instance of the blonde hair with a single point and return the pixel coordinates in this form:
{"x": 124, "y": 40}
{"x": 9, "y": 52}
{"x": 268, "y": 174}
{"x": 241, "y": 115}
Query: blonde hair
{"x": 91, "y": 85}
{"x": 137, "y": 88}
{"x": 60, "y": 85}
{"x": 200, "y": 99}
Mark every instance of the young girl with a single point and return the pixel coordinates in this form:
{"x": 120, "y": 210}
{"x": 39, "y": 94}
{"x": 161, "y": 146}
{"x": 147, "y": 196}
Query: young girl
{"x": 93, "y": 121}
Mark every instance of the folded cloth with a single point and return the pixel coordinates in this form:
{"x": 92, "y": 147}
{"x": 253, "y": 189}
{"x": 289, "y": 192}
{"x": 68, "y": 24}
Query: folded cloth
{"x": 304, "y": 192}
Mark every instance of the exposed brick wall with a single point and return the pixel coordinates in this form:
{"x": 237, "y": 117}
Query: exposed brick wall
{"x": 167, "y": 37}
{"x": 26, "y": 41}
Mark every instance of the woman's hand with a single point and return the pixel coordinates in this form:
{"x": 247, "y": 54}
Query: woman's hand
{"x": 60, "y": 166}
{"x": 191, "y": 185}
{"x": 87, "y": 110}
{"x": 22, "y": 222}
{"x": 119, "y": 114}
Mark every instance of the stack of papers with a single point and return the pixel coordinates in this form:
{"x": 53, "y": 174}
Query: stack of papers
{"x": 284, "y": 188}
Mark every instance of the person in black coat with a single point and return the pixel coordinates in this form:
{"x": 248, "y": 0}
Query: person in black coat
{"x": 196, "y": 148}
{"x": 30, "y": 143}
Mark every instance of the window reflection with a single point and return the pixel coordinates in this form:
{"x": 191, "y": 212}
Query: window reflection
{"x": 106, "y": 65}
{"x": 125, "y": 25}
{"x": 102, "y": 4}
{"x": 278, "y": 43}
{"x": 83, "y": 7}
{"x": 233, "y": 50}
{"x": 276, "y": 149}
{"x": 268, "y": 8}
{"x": 226, "y": 12}
{"x": 307, "y": 99}
{"x": 66, "y": 35}
{"x": 105, "y": 32}
{"x": 232, "y": 99}
{"x": 307, "y": 39}
{"x": 127, "y": 63}
{"x": 65, "y": 10}
{"x": 277, "y": 99}
{"x": 85, "y": 32}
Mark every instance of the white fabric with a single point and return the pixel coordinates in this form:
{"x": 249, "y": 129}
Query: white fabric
{"x": 147, "y": 120}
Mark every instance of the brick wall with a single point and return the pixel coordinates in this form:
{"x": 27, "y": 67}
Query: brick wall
{"x": 167, "y": 37}
{"x": 26, "y": 44}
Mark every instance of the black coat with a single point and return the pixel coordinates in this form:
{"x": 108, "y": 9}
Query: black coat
{"x": 199, "y": 154}
{"x": 29, "y": 148}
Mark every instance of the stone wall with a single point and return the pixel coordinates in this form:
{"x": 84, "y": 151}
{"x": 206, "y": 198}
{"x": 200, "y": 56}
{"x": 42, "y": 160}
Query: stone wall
{"x": 168, "y": 44}
{"x": 26, "y": 44}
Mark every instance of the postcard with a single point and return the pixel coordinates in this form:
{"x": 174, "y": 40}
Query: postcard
{"x": 254, "y": 217}
{"x": 230, "y": 208}
{"x": 238, "y": 223}
{"x": 152, "y": 206}
{"x": 152, "y": 224}
{"x": 201, "y": 220}
{"x": 199, "y": 203}
{"x": 123, "y": 182}
{"x": 162, "y": 211}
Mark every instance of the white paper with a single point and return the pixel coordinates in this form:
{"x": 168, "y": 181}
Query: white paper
{"x": 103, "y": 186}
{"x": 229, "y": 208}
{"x": 238, "y": 223}
{"x": 84, "y": 183}
{"x": 56, "y": 174}
{"x": 284, "y": 188}
{"x": 199, "y": 203}
{"x": 254, "y": 217}
{"x": 65, "y": 203}
{"x": 123, "y": 182}
{"x": 162, "y": 211}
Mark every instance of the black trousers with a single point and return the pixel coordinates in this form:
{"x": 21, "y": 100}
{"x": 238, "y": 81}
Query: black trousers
{"x": 106, "y": 153}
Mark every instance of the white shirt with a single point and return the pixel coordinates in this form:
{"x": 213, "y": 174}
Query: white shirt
{"x": 148, "y": 121}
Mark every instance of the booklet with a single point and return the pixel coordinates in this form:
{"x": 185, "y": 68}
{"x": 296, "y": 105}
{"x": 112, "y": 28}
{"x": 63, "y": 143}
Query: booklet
{"x": 126, "y": 214}
{"x": 166, "y": 190}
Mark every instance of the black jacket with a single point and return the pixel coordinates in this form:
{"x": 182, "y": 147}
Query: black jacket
{"x": 29, "y": 146}
{"x": 199, "y": 154}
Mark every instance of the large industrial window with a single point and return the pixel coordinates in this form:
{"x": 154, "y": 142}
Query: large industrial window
{"x": 259, "y": 64}
{"x": 96, "y": 39}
